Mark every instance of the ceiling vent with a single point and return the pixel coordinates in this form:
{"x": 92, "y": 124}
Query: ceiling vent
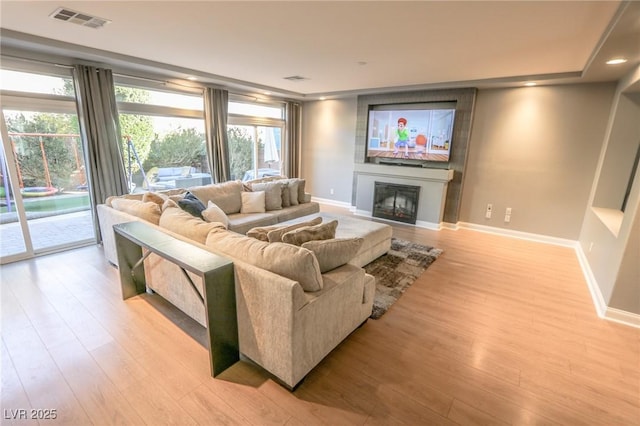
{"x": 68, "y": 15}
{"x": 296, "y": 78}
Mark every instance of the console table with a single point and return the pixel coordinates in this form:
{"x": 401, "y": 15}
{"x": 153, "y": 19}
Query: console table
{"x": 217, "y": 275}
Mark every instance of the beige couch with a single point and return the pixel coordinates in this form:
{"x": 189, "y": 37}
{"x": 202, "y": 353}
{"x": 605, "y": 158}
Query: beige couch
{"x": 291, "y": 311}
{"x": 226, "y": 195}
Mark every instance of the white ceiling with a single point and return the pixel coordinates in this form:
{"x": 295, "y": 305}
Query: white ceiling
{"x": 342, "y": 47}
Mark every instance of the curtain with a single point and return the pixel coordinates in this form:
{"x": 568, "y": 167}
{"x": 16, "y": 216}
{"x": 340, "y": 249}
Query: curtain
{"x": 293, "y": 147}
{"x": 100, "y": 127}
{"x": 215, "y": 111}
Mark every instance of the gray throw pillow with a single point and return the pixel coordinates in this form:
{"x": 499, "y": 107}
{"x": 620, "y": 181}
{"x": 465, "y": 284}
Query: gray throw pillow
{"x": 334, "y": 252}
{"x": 273, "y": 194}
{"x": 324, "y": 231}
{"x": 262, "y": 232}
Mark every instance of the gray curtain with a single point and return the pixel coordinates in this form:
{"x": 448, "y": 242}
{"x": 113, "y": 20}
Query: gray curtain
{"x": 215, "y": 111}
{"x": 98, "y": 117}
{"x": 293, "y": 147}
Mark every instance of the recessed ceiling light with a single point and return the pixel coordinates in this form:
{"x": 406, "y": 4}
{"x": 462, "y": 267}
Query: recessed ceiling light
{"x": 616, "y": 61}
{"x": 266, "y": 93}
{"x": 192, "y": 78}
{"x": 530, "y": 84}
{"x": 323, "y": 98}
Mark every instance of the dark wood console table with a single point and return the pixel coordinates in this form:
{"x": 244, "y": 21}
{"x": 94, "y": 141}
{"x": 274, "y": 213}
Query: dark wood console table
{"x": 217, "y": 274}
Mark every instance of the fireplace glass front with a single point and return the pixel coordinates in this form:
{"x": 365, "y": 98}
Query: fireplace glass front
{"x": 396, "y": 202}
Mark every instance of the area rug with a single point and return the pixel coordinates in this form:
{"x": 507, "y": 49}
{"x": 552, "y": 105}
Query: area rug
{"x": 397, "y": 270}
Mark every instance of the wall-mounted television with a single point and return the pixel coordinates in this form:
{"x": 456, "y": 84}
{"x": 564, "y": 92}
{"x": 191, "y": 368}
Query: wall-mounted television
{"x": 410, "y": 134}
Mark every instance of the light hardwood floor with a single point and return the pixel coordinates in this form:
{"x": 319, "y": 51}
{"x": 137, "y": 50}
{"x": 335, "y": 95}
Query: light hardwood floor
{"x": 496, "y": 331}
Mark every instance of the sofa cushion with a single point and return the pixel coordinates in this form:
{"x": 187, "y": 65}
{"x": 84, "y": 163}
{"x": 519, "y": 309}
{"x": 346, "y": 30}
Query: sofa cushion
{"x": 169, "y": 203}
{"x": 154, "y": 197}
{"x": 286, "y": 196}
{"x": 302, "y": 195}
{"x": 323, "y": 231}
{"x": 273, "y": 194}
{"x": 295, "y": 263}
{"x": 293, "y": 185}
{"x": 225, "y": 195}
{"x": 334, "y": 252}
{"x": 148, "y": 211}
{"x": 213, "y": 213}
{"x": 192, "y": 205}
{"x": 262, "y": 233}
{"x": 253, "y": 202}
{"x": 275, "y": 235}
{"x": 183, "y": 223}
{"x": 242, "y": 223}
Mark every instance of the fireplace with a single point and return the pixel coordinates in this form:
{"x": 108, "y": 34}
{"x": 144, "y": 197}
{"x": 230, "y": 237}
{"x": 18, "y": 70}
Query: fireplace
{"x": 396, "y": 202}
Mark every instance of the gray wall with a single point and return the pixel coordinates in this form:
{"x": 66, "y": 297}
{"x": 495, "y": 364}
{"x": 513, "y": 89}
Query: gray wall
{"x": 532, "y": 149}
{"x": 535, "y": 149}
{"x": 328, "y": 134}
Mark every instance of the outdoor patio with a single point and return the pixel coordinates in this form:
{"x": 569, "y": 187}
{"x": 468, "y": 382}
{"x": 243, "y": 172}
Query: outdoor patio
{"x": 48, "y": 232}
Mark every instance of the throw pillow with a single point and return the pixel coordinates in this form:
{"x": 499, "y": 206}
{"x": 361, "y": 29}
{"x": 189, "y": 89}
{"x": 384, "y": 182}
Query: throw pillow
{"x": 302, "y": 196}
{"x": 148, "y": 211}
{"x": 262, "y": 232}
{"x": 191, "y": 204}
{"x": 214, "y": 213}
{"x": 273, "y": 194}
{"x": 225, "y": 195}
{"x": 286, "y": 196}
{"x": 324, "y": 231}
{"x": 275, "y": 235}
{"x": 334, "y": 252}
{"x": 293, "y": 191}
{"x": 154, "y": 197}
{"x": 296, "y": 263}
{"x": 253, "y": 202}
{"x": 187, "y": 225}
{"x": 169, "y": 203}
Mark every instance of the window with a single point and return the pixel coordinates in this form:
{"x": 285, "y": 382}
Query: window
{"x": 255, "y": 136}
{"x": 164, "y": 142}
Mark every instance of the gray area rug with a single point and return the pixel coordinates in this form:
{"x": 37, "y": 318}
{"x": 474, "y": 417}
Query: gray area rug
{"x": 397, "y": 270}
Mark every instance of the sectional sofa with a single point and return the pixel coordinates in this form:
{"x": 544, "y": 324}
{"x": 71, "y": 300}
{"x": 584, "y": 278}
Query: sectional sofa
{"x": 295, "y": 303}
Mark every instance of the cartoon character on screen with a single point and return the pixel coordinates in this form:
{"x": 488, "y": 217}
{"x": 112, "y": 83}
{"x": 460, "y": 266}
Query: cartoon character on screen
{"x": 402, "y": 137}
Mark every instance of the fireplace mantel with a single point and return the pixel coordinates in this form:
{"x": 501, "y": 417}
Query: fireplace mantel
{"x": 432, "y": 182}
{"x": 420, "y": 173}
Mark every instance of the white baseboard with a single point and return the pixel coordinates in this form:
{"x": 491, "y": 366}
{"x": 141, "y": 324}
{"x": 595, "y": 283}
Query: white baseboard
{"x": 596, "y": 295}
{"x": 330, "y": 202}
{"x": 623, "y": 317}
{"x": 518, "y": 234}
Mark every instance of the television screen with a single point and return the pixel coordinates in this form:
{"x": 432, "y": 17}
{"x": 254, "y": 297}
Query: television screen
{"x": 410, "y": 132}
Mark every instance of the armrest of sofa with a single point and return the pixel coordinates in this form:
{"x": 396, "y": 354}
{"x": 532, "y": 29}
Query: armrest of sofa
{"x": 107, "y": 217}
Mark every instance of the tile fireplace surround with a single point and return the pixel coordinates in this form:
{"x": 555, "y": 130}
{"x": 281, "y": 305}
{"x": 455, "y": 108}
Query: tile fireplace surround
{"x": 432, "y": 182}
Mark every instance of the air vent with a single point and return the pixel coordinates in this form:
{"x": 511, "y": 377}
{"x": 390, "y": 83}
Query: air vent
{"x": 79, "y": 18}
{"x": 296, "y": 78}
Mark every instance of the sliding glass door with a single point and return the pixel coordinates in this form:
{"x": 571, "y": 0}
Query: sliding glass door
{"x": 45, "y": 202}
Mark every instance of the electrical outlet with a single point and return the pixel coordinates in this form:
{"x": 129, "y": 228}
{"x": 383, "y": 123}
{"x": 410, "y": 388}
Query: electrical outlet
{"x": 331, "y": 191}
{"x": 507, "y": 218}
{"x": 488, "y": 212}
